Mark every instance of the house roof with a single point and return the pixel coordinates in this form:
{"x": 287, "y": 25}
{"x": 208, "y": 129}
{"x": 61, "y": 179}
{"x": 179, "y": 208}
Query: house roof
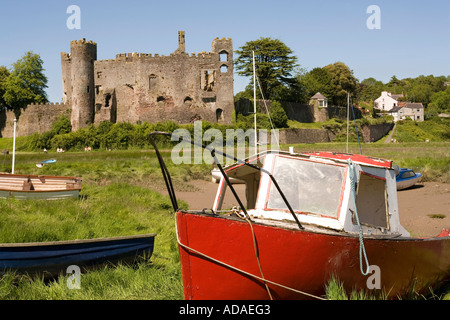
{"x": 396, "y": 96}
{"x": 318, "y": 96}
{"x": 395, "y": 109}
{"x": 414, "y": 105}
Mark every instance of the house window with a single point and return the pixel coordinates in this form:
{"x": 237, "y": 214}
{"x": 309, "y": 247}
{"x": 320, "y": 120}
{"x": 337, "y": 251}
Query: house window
{"x": 223, "y": 69}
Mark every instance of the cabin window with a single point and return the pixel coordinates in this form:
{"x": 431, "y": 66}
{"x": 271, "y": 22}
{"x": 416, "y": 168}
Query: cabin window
{"x": 371, "y": 201}
{"x": 310, "y": 187}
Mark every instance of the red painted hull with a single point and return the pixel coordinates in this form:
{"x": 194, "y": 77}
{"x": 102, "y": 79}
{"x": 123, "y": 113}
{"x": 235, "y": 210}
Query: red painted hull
{"x": 297, "y": 259}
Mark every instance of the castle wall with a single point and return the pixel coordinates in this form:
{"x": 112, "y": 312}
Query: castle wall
{"x": 137, "y": 87}
{"x": 34, "y": 118}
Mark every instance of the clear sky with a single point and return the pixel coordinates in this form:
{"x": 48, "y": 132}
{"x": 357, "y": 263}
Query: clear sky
{"x": 413, "y": 39}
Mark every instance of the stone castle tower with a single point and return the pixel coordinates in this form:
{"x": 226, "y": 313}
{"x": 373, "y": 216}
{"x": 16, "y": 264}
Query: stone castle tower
{"x": 137, "y": 87}
{"x": 78, "y": 81}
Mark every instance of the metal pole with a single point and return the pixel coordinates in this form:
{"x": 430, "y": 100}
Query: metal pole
{"x": 348, "y": 112}
{"x": 254, "y": 102}
{"x": 14, "y": 146}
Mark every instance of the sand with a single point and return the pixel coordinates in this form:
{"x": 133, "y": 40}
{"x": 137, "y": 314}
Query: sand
{"x": 424, "y": 209}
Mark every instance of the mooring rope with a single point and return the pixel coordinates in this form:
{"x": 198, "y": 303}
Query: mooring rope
{"x": 240, "y": 270}
{"x": 362, "y": 249}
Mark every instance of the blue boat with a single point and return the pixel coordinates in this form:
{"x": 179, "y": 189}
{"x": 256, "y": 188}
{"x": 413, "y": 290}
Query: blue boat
{"x": 406, "y": 178}
{"x": 50, "y": 259}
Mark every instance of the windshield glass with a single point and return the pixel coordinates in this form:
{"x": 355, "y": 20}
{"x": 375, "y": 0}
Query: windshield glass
{"x": 310, "y": 187}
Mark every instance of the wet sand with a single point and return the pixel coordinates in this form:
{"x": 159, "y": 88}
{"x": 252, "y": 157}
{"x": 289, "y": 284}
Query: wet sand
{"x": 424, "y": 209}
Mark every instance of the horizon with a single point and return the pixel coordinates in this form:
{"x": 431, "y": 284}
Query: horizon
{"x": 411, "y": 39}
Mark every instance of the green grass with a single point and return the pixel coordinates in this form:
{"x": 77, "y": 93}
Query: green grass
{"x": 121, "y": 196}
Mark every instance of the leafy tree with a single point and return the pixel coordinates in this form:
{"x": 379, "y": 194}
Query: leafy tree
{"x": 26, "y": 83}
{"x": 440, "y": 102}
{"x": 62, "y": 125}
{"x": 396, "y": 86}
{"x": 317, "y": 80}
{"x": 4, "y": 74}
{"x": 370, "y": 89}
{"x": 274, "y": 64}
{"x": 278, "y": 115}
{"x": 342, "y": 81}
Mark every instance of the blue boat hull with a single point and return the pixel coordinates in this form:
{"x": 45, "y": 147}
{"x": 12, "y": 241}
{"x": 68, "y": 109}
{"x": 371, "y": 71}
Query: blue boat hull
{"x": 53, "y": 258}
{"x": 406, "y": 178}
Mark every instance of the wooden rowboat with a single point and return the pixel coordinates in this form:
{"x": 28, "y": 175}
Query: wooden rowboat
{"x": 38, "y": 186}
{"x": 51, "y": 259}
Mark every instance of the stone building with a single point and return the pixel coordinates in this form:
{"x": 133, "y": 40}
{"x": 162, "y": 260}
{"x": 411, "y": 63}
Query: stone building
{"x": 138, "y": 87}
{"x": 135, "y": 87}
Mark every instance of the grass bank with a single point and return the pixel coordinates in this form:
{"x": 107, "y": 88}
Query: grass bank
{"x": 121, "y": 196}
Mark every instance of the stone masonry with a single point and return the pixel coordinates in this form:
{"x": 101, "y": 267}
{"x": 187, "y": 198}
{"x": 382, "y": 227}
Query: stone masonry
{"x": 136, "y": 87}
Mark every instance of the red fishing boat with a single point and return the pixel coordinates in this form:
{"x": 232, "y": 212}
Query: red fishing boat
{"x": 306, "y": 219}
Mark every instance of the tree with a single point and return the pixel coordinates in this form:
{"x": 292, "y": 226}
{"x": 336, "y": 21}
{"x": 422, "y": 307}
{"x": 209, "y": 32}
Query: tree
{"x": 370, "y": 89}
{"x": 4, "y": 74}
{"x": 317, "y": 80}
{"x": 396, "y": 86}
{"x": 342, "y": 81}
{"x": 278, "y": 115}
{"x": 274, "y": 64}
{"x": 440, "y": 102}
{"x": 26, "y": 83}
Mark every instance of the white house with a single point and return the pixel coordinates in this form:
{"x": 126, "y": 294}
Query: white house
{"x": 386, "y": 101}
{"x": 415, "y": 111}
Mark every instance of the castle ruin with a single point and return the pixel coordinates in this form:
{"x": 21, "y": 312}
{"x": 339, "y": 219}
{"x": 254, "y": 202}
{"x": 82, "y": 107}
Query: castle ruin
{"x": 136, "y": 87}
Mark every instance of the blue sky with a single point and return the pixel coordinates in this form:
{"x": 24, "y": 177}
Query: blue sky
{"x": 413, "y": 39}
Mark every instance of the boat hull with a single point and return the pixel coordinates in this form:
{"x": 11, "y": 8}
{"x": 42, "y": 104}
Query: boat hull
{"x": 408, "y": 182}
{"x": 24, "y": 187}
{"x": 53, "y": 258}
{"x": 297, "y": 259}
{"x": 40, "y": 195}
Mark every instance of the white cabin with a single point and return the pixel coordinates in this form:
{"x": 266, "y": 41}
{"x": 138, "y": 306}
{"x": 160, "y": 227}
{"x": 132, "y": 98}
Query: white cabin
{"x": 317, "y": 187}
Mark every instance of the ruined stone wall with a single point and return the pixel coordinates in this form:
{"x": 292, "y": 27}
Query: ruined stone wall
{"x": 375, "y": 132}
{"x": 138, "y": 87}
{"x": 34, "y": 118}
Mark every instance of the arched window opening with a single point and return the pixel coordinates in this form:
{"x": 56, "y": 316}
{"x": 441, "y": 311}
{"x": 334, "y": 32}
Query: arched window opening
{"x": 219, "y": 114}
{"x": 223, "y": 56}
{"x": 107, "y": 100}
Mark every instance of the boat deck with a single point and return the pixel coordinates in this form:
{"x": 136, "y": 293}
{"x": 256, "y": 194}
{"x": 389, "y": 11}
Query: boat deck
{"x": 38, "y": 183}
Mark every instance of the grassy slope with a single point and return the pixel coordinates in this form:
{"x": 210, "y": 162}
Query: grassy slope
{"x": 117, "y": 199}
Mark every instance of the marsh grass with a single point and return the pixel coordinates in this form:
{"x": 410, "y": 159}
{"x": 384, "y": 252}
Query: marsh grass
{"x": 120, "y": 196}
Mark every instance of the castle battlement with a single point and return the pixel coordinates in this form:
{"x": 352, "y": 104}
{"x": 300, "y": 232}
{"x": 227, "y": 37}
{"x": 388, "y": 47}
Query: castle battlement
{"x": 82, "y": 42}
{"x": 150, "y": 87}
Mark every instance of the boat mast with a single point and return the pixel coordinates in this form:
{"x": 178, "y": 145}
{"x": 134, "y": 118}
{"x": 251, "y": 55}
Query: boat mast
{"x": 254, "y": 102}
{"x": 14, "y": 146}
{"x": 348, "y": 112}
